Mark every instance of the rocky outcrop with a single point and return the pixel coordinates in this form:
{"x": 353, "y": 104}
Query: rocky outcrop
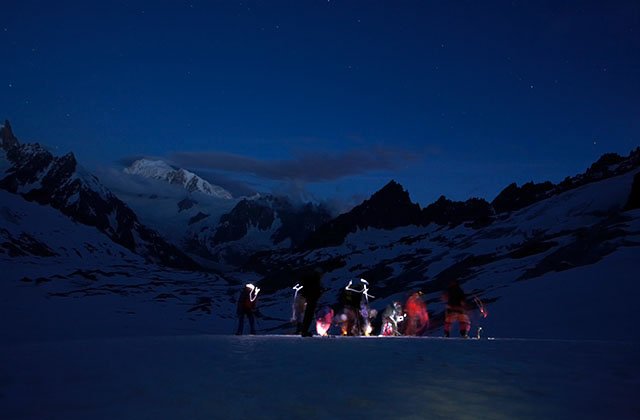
{"x": 446, "y": 212}
{"x": 634, "y": 196}
{"x": 515, "y": 198}
{"x": 245, "y": 215}
{"x": 608, "y": 165}
{"x": 389, "y": 208}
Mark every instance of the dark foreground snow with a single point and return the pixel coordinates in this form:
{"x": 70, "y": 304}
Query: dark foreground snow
{"x": 198, "y": 377}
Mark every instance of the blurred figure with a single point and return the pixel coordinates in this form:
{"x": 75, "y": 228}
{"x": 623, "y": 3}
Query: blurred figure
{"x": 311, "y": 283}
{"x": 417, "y": 315}
{"x": 324, "y": 321}
{"x": 298, "y": 308}
{"x": 456, "y": 310}
{"x": 350, "y": 301}
{"x": 247, "y": 303}
{"x": 392, "y": 316}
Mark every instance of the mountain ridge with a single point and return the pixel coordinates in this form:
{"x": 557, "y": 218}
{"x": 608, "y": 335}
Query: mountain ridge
{"x": 61, "y": 183}
{"x": 160, "y": 170}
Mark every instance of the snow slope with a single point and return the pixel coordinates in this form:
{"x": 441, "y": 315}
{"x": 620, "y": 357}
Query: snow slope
{"x": 62, "y": 279}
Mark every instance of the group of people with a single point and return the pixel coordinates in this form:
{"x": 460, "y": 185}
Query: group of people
{"x": 352, "y": 315}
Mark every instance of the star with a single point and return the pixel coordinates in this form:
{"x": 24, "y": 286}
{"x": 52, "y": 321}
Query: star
{"x": 531, "y": 86}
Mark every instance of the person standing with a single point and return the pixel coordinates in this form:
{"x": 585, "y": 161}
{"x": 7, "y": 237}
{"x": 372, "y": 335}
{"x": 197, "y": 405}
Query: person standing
{"x": 247, "y": 303}
{"x": 311, "y": 283}
{"x": 456, "y": 310}
{"x": 417, "y": 315}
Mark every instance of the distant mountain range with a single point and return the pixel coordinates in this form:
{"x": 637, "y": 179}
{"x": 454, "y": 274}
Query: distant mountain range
{"x": 58, "y": 219}
{"x": 391, "y": 206}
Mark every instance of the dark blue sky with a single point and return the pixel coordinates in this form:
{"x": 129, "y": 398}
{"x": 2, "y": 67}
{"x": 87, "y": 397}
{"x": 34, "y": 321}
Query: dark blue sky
{"x": 332, "y": 97}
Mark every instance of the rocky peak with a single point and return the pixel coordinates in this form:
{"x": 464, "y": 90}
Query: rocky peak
{"x": 604, "y": 164}
{"x": 9, "y": 140}
{"x": 388, "y": 208}
{"x": 392, "y": 192}
{"x": 515, "y": 198}
{"x": 246, "y": 214}
{"x": 158, "y": 169}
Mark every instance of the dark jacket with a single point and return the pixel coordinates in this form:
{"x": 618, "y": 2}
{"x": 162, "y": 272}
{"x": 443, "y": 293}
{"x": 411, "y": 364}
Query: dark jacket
{"x": 245, "y": 305}
{"x": 456, "y": 297}
{"x": 311, "y": 283}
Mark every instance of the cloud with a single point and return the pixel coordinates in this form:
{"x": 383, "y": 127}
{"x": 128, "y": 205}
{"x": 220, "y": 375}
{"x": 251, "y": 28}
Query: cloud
{"x": 316, "y": 167}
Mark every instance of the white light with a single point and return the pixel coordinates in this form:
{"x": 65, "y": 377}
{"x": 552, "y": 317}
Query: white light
{"x": 364, "y": 291}
{"x": 253, "y": 294}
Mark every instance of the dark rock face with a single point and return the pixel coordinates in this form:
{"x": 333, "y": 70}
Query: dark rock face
{"x": 197, "y": 218}
{"x": 296, "y": 222}
{"x": 186, "y": 204}
{"x": 246, "y": 214}
{"x": 24, "y": 244}
{"x": 57, "y": 181}
{"x": 634, "y": 197}
{"x": 9, "y": 141}
{"x": 389, "y": 208}
{"x": 447, "y": 212}
{"x": 515, "y": 198}
{"x": 608, "y": 165}
{"x": 603, "y": 167}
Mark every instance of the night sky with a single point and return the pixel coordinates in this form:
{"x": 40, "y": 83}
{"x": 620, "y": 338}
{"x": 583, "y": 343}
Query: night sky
{"x": 329, "y": 98}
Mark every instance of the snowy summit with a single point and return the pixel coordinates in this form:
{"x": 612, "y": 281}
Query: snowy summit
{"x": 158, "y": 169}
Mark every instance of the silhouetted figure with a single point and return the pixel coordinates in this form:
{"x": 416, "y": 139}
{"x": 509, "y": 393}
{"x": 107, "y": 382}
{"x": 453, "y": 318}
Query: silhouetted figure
{"x": 456, "y": 310}
{"x": 298, "y": 308}
{"x": 350, "y": 302}
{"x": 247, "y": 306}
{"x": 311, "y": 282}
{"x": 392, "y": 317}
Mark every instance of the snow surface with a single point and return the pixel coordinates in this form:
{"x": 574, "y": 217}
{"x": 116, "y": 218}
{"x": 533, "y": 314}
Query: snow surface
{"x": 205, "y": 376}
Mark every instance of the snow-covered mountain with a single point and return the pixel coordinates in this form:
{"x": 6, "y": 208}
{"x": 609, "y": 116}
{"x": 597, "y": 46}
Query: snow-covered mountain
{"x": 34, "y": 173}
{"x": 158, "y": 169}
{"x": 258, "y": 223}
